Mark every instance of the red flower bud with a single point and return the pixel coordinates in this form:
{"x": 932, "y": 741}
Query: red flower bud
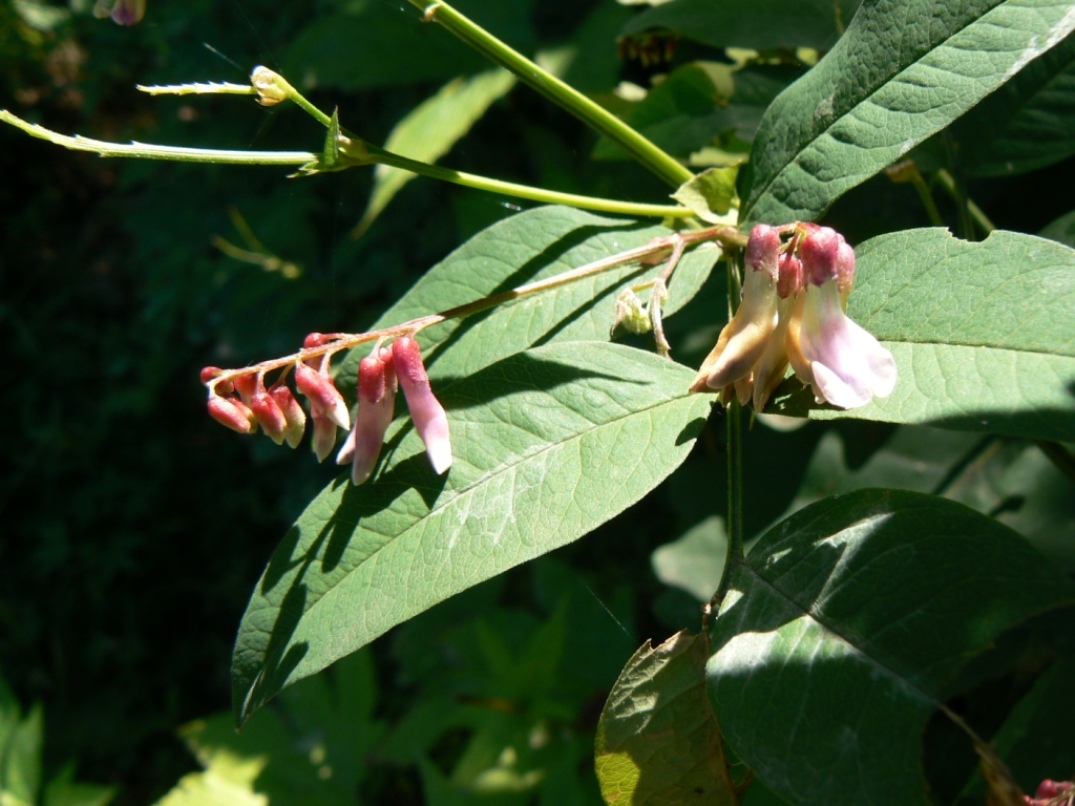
{"x": 376, "y": 404}
{"x": 233, "y": 413}
{"x": 246, "y": 385}
{"x": 323, "y": 394}
{"x": 428, "y": 414}
{"x": 269, "y": 415}
{"x": 294, "y": 416}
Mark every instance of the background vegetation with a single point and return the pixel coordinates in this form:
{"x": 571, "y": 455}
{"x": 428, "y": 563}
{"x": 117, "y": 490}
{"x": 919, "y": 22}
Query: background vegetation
{"x": 135, "y": 528}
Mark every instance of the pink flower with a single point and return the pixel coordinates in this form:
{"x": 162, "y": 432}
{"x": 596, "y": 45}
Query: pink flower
{"x": 845, "y": 365}
{"x": 430, "y": 421}
{"x": 743, "y": 340}
{"x": 376, "y": 405}
{"x": 123, "y": 12}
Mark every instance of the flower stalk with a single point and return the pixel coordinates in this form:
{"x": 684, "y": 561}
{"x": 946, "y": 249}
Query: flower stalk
{"x": 593, "y": 115}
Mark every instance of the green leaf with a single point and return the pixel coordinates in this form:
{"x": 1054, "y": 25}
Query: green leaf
{"x": 548, "y": 444}
{"x": 20, "y": 753}
{"x": 982, "y": 333}
{"x": 530, "y": 246}
{"x": 900, "y": 73}
{"x": 700, "y": 101}
{"x": 1028, "y": 123}
{"x": 431, "y": 129}
{"x": 695, "y": 561}
{"x": 1062, "y": 230}
{"x": 843, "y": 626}
{"x": 310, "y": 752}
{"x": 710, "y": 194}
{"x": 63, "y": 790}
{"x": 658, "y": 743}
{"x": 758, "y": 24}
{"x": 1036, "y": 741}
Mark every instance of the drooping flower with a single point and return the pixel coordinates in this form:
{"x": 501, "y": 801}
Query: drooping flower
{"x": 376, "y": 405}
{"x": 744, "y": 339}
{"x": 268, "y": 413}
{"x": 430, "y": 420}
{"x": 845, "y": 365}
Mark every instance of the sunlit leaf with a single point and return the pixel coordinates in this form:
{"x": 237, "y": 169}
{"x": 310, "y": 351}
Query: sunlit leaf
{"x": 310, "y": 751}
{"x": 1028, "y": 123}
{"x": 982, "y": 332}
{"x": 658, "y": 743}
{"x": 530, "y": 246}
{"x": 548, "y": 444}
{"x": 900, "y": 73}
{"x": 842, "y": 628}
{"x": 431, "y": 129}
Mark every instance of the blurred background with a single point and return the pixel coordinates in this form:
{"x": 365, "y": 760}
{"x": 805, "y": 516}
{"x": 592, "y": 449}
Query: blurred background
{"x": 135, "y": 527}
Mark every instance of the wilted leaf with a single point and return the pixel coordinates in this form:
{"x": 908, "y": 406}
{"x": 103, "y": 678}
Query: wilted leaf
{"x": 658, "y": 743}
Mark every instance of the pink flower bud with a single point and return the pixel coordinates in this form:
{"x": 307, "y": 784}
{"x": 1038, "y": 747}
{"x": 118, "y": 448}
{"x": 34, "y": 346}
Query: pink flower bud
{"x": 233, "y": 413}
{"x": 820, "y": 252}
{"x": 269, "y": 414}
{"x": 790, "y": 281}
{"x": 294, "y": 416}
{"x": 324, "y": 432}
{"x": 314, "y": 340}
{"x": 763, "y": 249}
{"x": 323, "y": 394}
{"x": 428, "y": 414}
{"x": 246, "y": 385}
{"x": 376, "y": 405}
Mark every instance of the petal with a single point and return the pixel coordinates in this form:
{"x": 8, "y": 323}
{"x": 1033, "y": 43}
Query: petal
{"x": 849, "y": 366}
{"x": 744, "y": 338}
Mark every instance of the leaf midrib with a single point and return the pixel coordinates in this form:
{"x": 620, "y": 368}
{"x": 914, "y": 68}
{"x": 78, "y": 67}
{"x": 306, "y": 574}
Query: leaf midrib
{"x": 460, "y": 495}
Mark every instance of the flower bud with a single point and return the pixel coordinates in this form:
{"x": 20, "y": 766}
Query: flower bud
{"x": 763, "y": 250}
{"x": 269, "y": 414}
{"x": 271, "y": 87}
{"x": 428, "y": 414}
{"x": 246, "y": 385}
{"x": 294, "y": 416}
{"x": 790, "y": 281}
{"x": 376, "y": 405}
{"x": 324, "y": 432}
{"x": 323, "y": 394}
{"x": 232, "y": 413}
{"x": 820, "y": 253}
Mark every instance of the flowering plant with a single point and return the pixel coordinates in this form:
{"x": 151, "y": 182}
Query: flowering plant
{"x": 819, "y": 656}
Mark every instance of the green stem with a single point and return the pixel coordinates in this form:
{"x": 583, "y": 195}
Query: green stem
{"x": 155, "y": 152}
{"x": 526, "y": 191}
{"x": 922, "y": 188}
{"x": 725, "y": 235}
{"x": 565, "y": 96}
{"x": 948, "y": 182}
{"x": 733, "y": 554}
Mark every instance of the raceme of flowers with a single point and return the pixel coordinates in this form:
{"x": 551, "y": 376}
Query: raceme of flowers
{"x": 244, "y": 403}
{"x": 794, "y": 296}
{"x": 793, "y": 313}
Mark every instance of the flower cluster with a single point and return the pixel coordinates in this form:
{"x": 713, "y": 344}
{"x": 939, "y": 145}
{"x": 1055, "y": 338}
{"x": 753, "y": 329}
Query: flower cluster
{"x": 243, "y": 403}
{"x": 792, "y": 313}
